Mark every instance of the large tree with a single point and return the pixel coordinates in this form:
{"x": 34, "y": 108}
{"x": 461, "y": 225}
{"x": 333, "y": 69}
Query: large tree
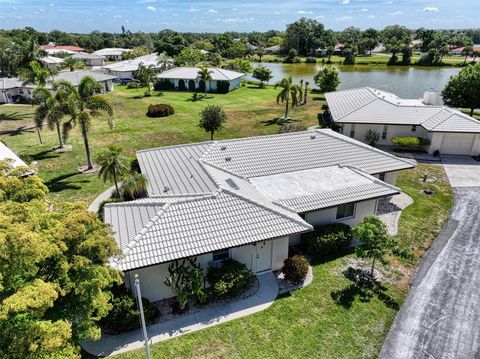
{"x": 327, "y": 79}
{"x": 262, "y": 74}
{"x": 189, "y": 56}
{"x": 54, "y": 275}
{"x": 290, "y": 94}
{"x": 212, "y": 119}
{"x": 304, "y": 35}
{"x": 145, "y": 74}
{"x": 463, "y": 90}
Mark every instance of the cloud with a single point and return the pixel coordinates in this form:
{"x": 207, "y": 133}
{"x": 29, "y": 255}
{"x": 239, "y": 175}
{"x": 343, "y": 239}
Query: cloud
{"x": 234, "y": 9}
{"x": 395, "y": 13}
{"x": 320, "y": 17}
{"x": 117, "y": 16}
{"x": 18, "y": 17}
{"x": 343, "y": 18}
{"x": 151, "y": 8}
{"x": 146, "y": 1}
{"x": 430, "y": 9}
{"x": 276, "y": 12}
{"x": 304, "y": 12}
{"x": 51, "y": 4}
{"x": 371, "y": 16}
{"x": 345, "y": 2}
{"x": 237, "y": 20}
{"x": 212, "y": 11}
{"x": 192, "y": 9}
{"x": 364, "y": 10}
{"x": 388, "y": 2}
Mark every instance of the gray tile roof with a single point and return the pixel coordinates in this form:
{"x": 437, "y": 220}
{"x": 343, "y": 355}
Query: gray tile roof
{"x": 193, "y": 226}
{"x": 6, "y": 154}
{"x": 372, "y": 106}
{"x": 85, "y": 55}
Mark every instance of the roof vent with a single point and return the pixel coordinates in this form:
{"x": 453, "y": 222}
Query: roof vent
{"x": 228, "y": 159}
{"x": 313, "y": 137}
{"x": 223, "y": 148}
{"x": 232, "y": 183}
{"x": 166, "y": 189}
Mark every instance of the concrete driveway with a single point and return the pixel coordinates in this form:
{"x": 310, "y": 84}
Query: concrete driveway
{"x": 440, "y": 318}
{"x": 462, "y": 171}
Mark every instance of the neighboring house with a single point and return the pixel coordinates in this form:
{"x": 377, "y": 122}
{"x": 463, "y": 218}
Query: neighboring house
{"x": 89, "y": 59}
{"x": 459, "y": 50}
{"x": 448, "y": 130}
{"x": 11, "y": 89}
{"x": 52, "y": 49}
{"x": 112, "y": 54}
{"x": 127, "y": 68}
{"x": 185, "y": 78}
{"x": 248, "y": 199}
{"x": 52, "y": 62}
{"x": 275, "y": 49}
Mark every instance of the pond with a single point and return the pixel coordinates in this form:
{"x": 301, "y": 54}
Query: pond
{"x": 407, "y": 82}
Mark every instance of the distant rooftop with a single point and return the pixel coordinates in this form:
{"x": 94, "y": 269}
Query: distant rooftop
{"x": 191, "y": 73}
{"x": 112, "y": 51}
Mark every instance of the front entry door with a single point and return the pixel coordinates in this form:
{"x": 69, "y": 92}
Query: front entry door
{"x": 264, "y": 256}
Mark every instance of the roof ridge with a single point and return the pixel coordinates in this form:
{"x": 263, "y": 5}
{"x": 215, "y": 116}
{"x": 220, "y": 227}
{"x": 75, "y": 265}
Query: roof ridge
{"x": 343, "y": 138}
{"x": 372, "y": 178}
{"x": 191, "y": 144}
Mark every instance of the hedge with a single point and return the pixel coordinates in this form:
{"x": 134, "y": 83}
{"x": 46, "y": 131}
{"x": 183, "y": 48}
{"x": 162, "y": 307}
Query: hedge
{"x": 223, "y": 86}
{"x": 162, "y": 85}
{"x": 406, "y": 141}
{"x": 229, "y": 279}
{"x": 327, "y": 239}
{"x": 160, "y": 110}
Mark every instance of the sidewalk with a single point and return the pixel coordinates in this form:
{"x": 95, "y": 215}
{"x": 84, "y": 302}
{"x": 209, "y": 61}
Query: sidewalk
{"x": 262, "y": 299}
{"x": 95, "y": 205}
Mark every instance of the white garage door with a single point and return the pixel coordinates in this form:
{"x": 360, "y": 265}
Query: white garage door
{"x": 457, "y": 144}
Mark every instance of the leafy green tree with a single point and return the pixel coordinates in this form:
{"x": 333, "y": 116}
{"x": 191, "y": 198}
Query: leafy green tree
{"x": 55, "y": 277}
{"x": 87, "y": 105}
{"x": 113, "y": 165}
{"x": 236, "y": 50}
{"x": 204, "y": 74}
{"x": 327, "y": 79}
{"x": 349, "y": 53}
{"x": 426, "y": 36}
{"x": 262, "y": 74}
{"x": 35, "y": 73}
{"x": 215, "y": 59}
{"x": 212, "y": 119}
{"x": 376, "y": 243}
{"x": 304, "y": 36}
{"x": 72, "y": 64}
{"x": 289, "y": 94}
{"x": 145, "y": 74}
{"x": 260, "y": 53}
{"x": 467, "y": 51}
{"x": 241, "y": 65}
{"x": 189, "y": 56}
{"x": 463, "y": 90}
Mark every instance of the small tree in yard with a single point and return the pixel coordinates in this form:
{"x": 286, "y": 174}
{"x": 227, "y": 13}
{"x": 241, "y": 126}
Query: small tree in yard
{"x": 376, "y": 242}
{"x": 290, "y": 94}
{"x": 113, "y": 165}
{"x": 327, "y": 79}
{"x": 262, "y": 74}
{"x": 372, "y": 137}
{"x": 463, "y": 90}
{"x": 212, "y": 119}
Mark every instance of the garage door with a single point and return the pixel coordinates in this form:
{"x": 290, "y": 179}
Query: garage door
{"x": 457, "y": 144}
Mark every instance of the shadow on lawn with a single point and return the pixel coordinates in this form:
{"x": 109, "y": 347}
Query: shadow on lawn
{"x": 363, "y": 289}
{"x": 47, "y": 154}
{"x": 279, "y": 121}
{"x": 18, "y": 131}
{"x": 57, "y": 184}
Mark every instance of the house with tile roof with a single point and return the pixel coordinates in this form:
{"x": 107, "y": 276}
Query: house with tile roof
{"x": 448, "y": 130}
{"x": 248, "y": 199}
{"x": 185, "y": 78}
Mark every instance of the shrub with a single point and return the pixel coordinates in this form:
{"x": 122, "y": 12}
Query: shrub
{"x": 295, "y": 269}
{"x": 223, "y": 86}
{"x": 372, "y": 137}
{"x": 291, "y": 127}
{"x": 311, "y": 60}
{"x": 124, "y": 313}
{"x": 163, "y": 84}
{"x": 229, "y": 279}
{"x": 160, "y": 110}
{"x": 407, "y": 141}
{"x": 327, "y": 239}
{"x": 132, "y": 85}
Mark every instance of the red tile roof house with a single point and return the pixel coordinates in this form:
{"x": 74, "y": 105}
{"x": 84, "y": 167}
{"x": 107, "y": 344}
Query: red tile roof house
{"x": 61, "y": 47}
{"x": 459, "y": 50}
{"x": 248, "y": 199}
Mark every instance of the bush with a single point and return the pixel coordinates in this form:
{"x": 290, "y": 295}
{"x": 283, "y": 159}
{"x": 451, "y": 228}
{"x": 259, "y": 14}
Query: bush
{"x": 132, "y": 85}
{"x": 372, "y": 137}
{"x": 311, "y": 60}
{"x": 229, "y": 279}
{"x": 223, "y": 86}
{"x": 291, "y": 127}
{"x": 124, "y": 315}
{"x": 295, "y": 269}
{"x": 327, "y": 239}
{"x": 163, "y": 84}
{"x": 408, "y": 141}
{"x": 160, "y": 110}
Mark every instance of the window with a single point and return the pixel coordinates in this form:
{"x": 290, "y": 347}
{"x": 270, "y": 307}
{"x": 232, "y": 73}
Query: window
{"x": 221, "y": 255}
{"x": 381, "y": 176}
{"x": 414, "y": 128}
{"x": 352, "y": 130}
{"x": 384, "y": 133}
{"x": 345, "y": 211}
{"x": 20, "y": 91}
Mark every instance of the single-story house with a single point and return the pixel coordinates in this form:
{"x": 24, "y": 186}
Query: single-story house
{"x": 128, "y": 68}
{"x": 459, "y": 50}
{"x": 185, "y": 78}
{"x": 275, "y": 49}
{"x": 112, "y": 54}
{"x": 52, "y": 62}
{"x": 13, "y": 88}
{"x": 248, "y": 199}
{"x": 89, "y": 59}
{"x": 448, "y": 130}
{"x": 51, "y": 47}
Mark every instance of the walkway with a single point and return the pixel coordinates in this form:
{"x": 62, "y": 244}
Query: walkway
{"x": 262, "y": 299}
{"x": 95, "y": 205}
{"x": 390, "y": 209}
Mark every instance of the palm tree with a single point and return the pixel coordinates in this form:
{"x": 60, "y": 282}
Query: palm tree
{"x": 144, "y": 74}
{"x": 72, "y": 63}
{"x": 206, "y": 75}
{"x": 34, "y": 74}
{"x": 164, "y": 62}
{"x": 134, "y": 185}
{"x": 467, "y": 51}
{"x": 113, "y": 165}
{"x": 305, "y": 93}
{"x": 85, "y": 107}
{"x": 290, "y": 93}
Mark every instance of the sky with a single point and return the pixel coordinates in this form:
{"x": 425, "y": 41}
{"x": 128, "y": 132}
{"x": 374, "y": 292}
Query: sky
{"x": 83, "y": 16}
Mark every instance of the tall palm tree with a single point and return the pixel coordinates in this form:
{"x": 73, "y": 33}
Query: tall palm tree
{"x": 145, "y": 74}
{"x": 72, "y": 63}
{"x": 305, "y": 92}
{"x": 206, "y": 75}
{"x": 164, "y": 62}
{"x": 290, "y": 93}
{"x": 87, "y": 105}
{"x": 467, "y": 51}
{"x": 113, "y": 165}
{"x": 134, "y": 185}
{"x": 34, "y": 73}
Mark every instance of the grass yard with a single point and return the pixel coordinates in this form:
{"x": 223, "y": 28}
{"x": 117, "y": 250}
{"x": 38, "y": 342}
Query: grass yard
{"x": 251, "y": 111}
{"x": 310, "y": 323}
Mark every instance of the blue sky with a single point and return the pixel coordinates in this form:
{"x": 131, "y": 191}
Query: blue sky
{"x": 218, "y": 16}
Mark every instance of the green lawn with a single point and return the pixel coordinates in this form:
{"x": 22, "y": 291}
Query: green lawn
{"x": 310, "y": 323}
{"x": 251, "y": 111}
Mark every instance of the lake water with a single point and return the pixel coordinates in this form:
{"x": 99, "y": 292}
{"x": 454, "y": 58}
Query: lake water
{"x": 407, "y": 82}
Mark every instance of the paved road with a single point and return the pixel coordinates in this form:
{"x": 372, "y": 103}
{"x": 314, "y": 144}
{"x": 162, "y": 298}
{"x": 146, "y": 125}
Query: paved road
{"x": 441, "y": 316}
